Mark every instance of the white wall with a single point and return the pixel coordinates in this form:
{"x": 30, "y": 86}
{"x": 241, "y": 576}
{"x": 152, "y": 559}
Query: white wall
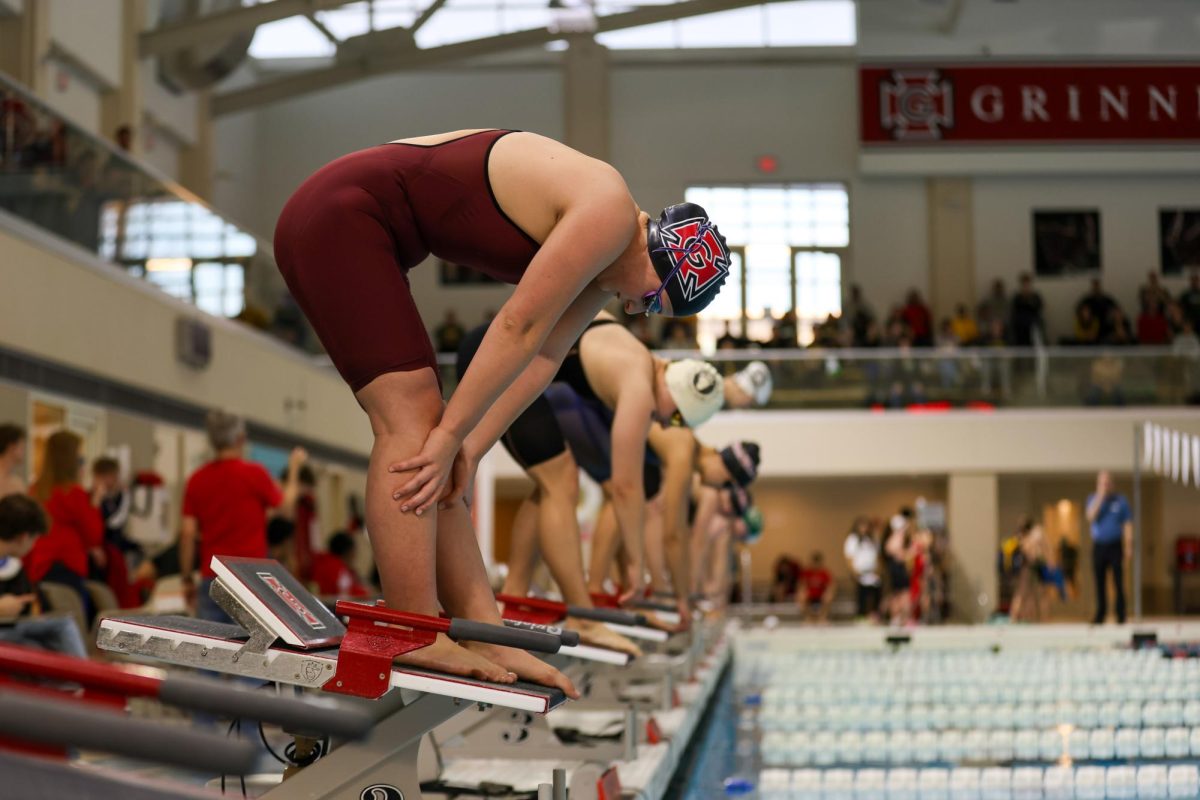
{"x": 1040, "y": 28}
{"x": 72, "y": 93}
{"x": 1128, "y": 236}
{"x": 90, "y": 34}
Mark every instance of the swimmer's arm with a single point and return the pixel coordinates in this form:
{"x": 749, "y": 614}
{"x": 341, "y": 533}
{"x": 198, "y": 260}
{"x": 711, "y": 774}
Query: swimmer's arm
{"x": 706, "y": 507}
{"x": 631, "y": 424}
{"x": 534, "y": 380}
{"x": 676, "y": 447}
{"x": 530, "y": 324}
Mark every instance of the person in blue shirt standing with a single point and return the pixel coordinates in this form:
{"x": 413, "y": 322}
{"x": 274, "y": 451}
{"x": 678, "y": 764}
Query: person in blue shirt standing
{"x": 1112, "y": 542}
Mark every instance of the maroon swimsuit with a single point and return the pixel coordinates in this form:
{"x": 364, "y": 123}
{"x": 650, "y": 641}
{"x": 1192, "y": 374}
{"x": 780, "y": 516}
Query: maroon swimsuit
{"x": 349, "y": 235}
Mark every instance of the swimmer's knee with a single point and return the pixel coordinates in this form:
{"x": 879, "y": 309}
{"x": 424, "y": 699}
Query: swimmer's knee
{"x": 557, "y": 476}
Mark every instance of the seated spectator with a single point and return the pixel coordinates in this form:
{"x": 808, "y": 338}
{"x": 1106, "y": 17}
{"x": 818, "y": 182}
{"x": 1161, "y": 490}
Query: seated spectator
{"x": 787, "y": 577}
{"x": 1102, "y": 304}
{"x": 1152, "y": 292}
{"x": 857, "y": 314}
{"x": 112, "y": 500}
{"x": 1119, "y": 332}
{"x": 1152, "y": 325}
{"x": 947, "y": 345}
{"x": 76, "y": 536}
{"x": 1186, "y": 343}
{"x": 827, "y": 333}
{"x": 1087, "y": 327}
{"x": 785, "y": 333}
{"x": 919, "y": 319}
{"x": 727, "y": 340}
{"x": 333, "y": 572}
{"x": 966, "y": 331}
{"x": 639, "y": 326}
{"x": 994, "y": 306}
{"x": 12, "y": 459}
{"x": 1189, "y": 300}
{"x": 1175, "y": 316}
{"x": 21, "y": 522}
{"x": 449, "y": 334}
{"x": 1025, "y": 319}
{"x": 1104, "y": 388}
{"x": 818, "y": 591}
{"x": 678, "y": 334}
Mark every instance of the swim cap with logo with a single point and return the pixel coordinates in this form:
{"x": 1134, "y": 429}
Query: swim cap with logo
{"x": 755, "y": 380}
{"x": 696, "y": 388}
{"x": 741, "y": 459}
{"x": 690, "y": 256}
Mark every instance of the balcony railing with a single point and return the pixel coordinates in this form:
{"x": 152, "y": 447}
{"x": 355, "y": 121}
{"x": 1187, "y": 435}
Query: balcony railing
{"x": 926, "y": 378}
{"x": 69, "y": 182}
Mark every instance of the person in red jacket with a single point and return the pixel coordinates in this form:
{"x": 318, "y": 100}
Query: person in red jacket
{"x": 75, "y": 540}
{"x": 1152, "y": 325}
{"x": 333, "y": 572}
{"x": 225, "y": 508}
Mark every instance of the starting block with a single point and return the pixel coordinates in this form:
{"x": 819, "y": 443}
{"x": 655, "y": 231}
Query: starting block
{"x": 285, "y": 635}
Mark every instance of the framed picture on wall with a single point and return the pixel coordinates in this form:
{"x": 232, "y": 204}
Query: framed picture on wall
{"x": 1066, "y": 242}
{"x": 1179, "y": 239}
{"x": 450, "y": 274}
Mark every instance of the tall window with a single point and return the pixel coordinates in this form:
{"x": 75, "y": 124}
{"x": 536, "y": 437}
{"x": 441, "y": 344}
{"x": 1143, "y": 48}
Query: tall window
{"x": 788, "y": 243}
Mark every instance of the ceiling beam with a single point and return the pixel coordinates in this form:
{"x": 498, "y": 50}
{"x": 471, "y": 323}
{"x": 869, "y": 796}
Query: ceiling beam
{"x": 223, "y": 24}
{"x": 316, "y": 80}
{"x": 430, "y": 10}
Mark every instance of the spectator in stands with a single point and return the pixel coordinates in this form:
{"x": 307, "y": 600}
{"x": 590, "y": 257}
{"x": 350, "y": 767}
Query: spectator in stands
{"x": 333, "y": 572}
{"x": 862, "y": 557}
{"x": 787, "y": 578}
{"x": 1087, "y": 327}
{"x": 1152, "y": 325}
{"x": 818, "y": 591}
{"x": 639, "y": 326}
{"x": 857, "y": 315}
{"x": 1175, "y": 317}
{"x": 1152, "y": 292}
{"x": 76, "y": 536}
{"x": 1102, "y": 304}
{"x": 919, "y": 319}
{"x": 784, "y": 332}
{"x": 966, "y": 331}
{"x": 995, "y": 371}
{"x": 948, "y": 346}
{"x": 679, "y": 336}
{"x": 1104, "y": 388}
{"x": 1030, "y": 556}
{"x": 1111, "y": 523}
{"x": 124, "y": 138}
{"x": 1189, "y": 299}
{"x": 828, "y": 333}
{"x": 728, "y": 340}
{"x": 225, "y": 508}
{"x": 449, "y": 334}
{"x": 897, "y": 552}
{"x": 22, "y": 521}
{"x": 994, "y": 306}
{"x": 1025, "y": 320}
{"x": 113, "y": 502}
{"x": 12, "y": 459}
{"x": 307, "y": 524}
{"x": 1119, "y": 333}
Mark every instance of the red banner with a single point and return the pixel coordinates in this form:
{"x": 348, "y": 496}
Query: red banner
{"x": 1043, "y": 103}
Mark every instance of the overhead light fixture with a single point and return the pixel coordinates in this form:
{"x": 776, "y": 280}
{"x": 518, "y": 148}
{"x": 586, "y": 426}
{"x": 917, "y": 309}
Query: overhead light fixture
{"x": 168, "y": 264}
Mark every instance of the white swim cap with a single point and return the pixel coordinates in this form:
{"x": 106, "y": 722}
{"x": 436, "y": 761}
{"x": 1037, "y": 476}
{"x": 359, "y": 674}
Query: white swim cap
{"x": 696, "y": 388}
{"x": 755, "y": 380}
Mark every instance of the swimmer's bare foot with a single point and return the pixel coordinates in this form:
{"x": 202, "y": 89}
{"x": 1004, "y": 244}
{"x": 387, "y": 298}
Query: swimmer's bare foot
{"x": 527, "y": 667}
{"x": 597, "y": 634}
{"x": 446, "y": 656}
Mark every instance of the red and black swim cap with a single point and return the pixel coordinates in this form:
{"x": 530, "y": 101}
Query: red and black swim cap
{"x": 690, "y": 255}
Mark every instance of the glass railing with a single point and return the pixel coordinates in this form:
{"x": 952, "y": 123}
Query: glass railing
{"x": 934, "y": 379}
{"x": 67, "y": 181}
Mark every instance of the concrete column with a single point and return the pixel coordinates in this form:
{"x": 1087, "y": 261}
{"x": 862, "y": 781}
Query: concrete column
{"x": 586, "y": 96}
{"x": 951, "y": 245}
{"x": 24, "y": 45}
{"x": 123, "y": 106}
{"x": 196, "y": 160}
{"x": 972, "y": 508}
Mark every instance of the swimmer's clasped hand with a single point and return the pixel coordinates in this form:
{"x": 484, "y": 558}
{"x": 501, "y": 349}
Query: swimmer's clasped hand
{"x": 439, "y": 461}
